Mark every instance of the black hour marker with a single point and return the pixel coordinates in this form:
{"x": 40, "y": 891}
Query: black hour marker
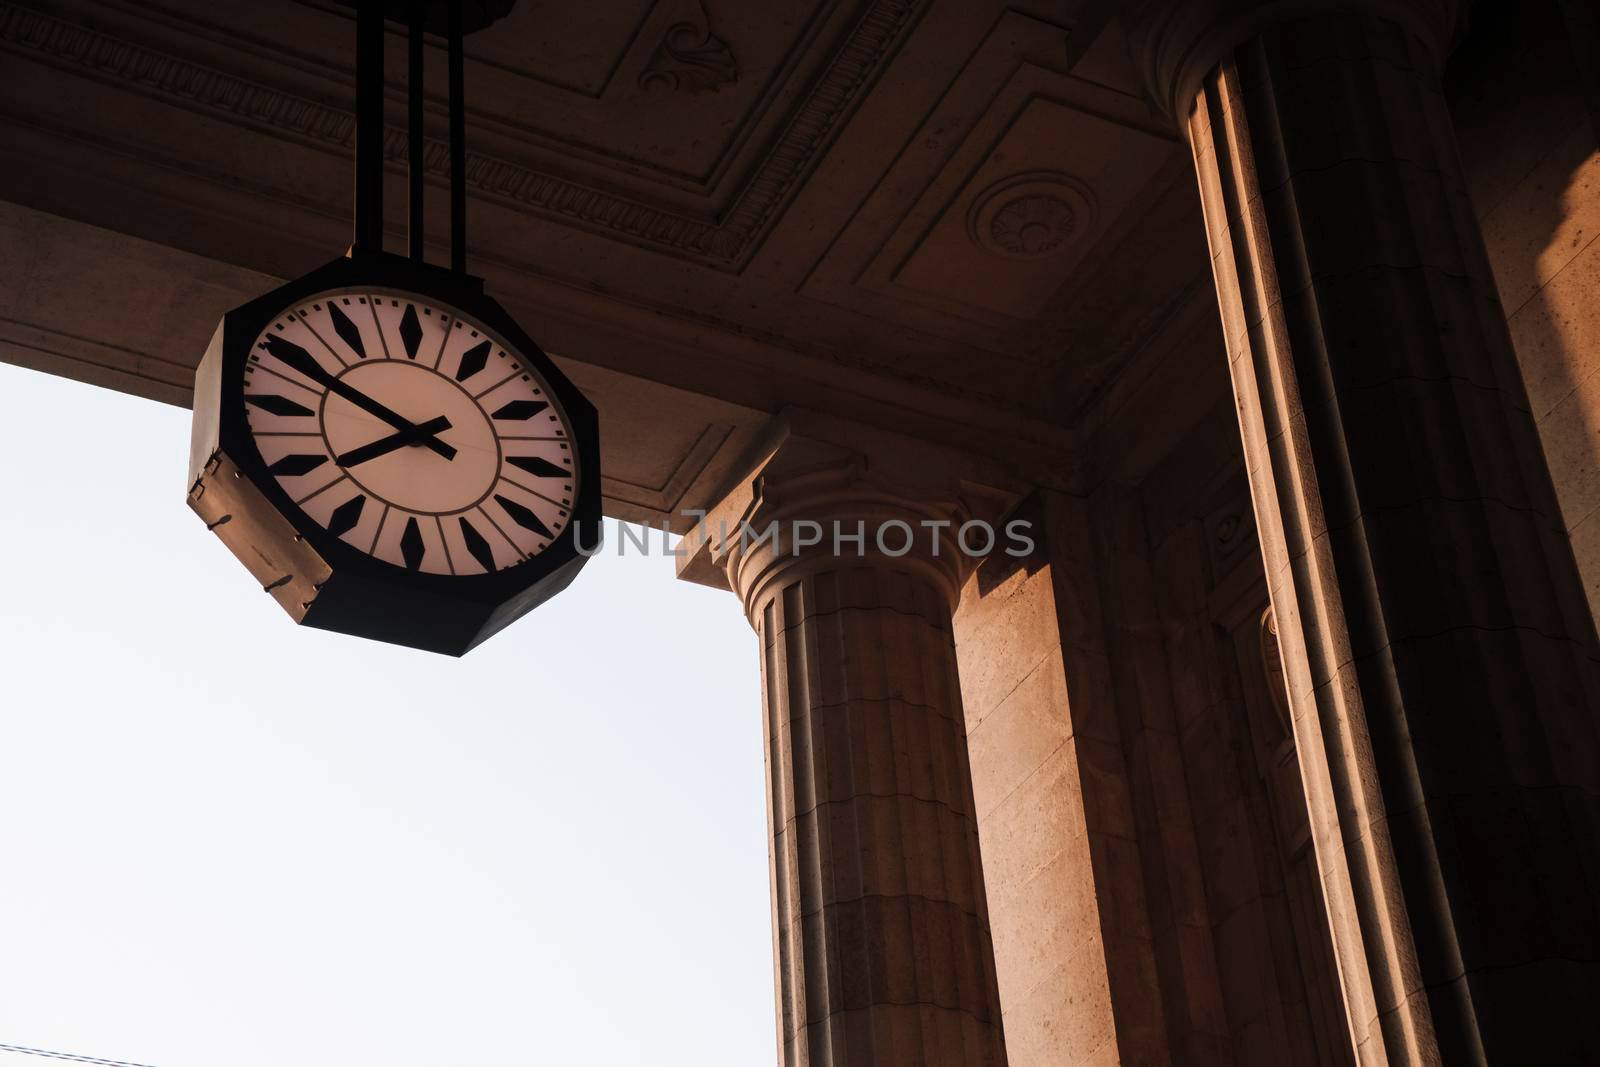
{"x": 274, "y": 404}
{"x": 523, "y": 517}
{"x": 411, "y": 546}
{"x": 296, "y": 357}
{"x": 294, "y": 466}
{"x": 539, "y": 468}
{"x": 346, "y": 515}
{"x": 411, "y": 330}
{"x": 473, "y": 361}
{"x": 476, "y": 545}
{"x": 518, "y": 410}
{"x": 346, "y": 330}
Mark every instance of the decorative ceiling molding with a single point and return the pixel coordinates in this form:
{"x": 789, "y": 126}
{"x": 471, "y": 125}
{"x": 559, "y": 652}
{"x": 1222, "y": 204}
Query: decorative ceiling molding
{"x": 29, "y": 344}
{"x": 724, "y": 244}
{"x": 690, "y": 59}
{"x": 807, "y": 133}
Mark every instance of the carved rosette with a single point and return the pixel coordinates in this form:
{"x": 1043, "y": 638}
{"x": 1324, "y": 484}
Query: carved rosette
{"x": 1030, "y": 216}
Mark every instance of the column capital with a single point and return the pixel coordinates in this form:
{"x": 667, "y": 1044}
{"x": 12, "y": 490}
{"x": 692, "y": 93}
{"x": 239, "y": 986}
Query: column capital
{"x": 1175, "y": 43}
{"x": 823, "y": 494}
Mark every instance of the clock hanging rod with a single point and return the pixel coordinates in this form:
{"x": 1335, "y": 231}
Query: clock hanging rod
{"x": 452, "y": 20}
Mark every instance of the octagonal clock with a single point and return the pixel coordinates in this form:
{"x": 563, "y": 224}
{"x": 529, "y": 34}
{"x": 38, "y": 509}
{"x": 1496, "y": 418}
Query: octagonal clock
{"x": 391, "y": 456}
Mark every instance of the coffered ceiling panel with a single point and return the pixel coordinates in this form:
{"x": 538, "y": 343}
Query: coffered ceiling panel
{"x": 1053, "y": 182}
{"x": 651, "y": 91}
{"x": 1027, "y": 187}
{"x": 954, "y": 219}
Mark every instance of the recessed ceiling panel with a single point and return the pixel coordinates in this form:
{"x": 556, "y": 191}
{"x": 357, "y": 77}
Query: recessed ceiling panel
{"x": 1049, "y": 188}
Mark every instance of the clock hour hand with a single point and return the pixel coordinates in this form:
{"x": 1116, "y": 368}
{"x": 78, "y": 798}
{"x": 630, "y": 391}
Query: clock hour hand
{"x": 397, "y": 440}
{"x": 300, "y": 360}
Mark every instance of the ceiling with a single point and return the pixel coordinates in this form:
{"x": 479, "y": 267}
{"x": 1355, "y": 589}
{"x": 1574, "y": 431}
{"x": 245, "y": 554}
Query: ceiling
{"x": 957, "y": 220}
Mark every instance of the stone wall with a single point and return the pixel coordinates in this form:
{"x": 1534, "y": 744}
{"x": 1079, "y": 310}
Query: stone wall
{"x": 1528, "y": 141}
{"x": 1144, "y": 841}
{"x": 1054, "y": 817}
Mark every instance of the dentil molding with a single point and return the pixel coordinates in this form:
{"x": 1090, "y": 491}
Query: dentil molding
{"x": 725, "y": 243}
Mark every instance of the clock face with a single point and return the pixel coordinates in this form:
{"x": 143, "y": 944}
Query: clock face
{"x": 410, "y": 432}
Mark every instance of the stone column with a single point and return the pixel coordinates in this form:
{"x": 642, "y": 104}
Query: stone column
{"x": 882, "y": 943}
{"x": 1442, "y": 666}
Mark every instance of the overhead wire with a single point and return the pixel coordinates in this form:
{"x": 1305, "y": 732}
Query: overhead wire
{"x": 67, "y": 1056}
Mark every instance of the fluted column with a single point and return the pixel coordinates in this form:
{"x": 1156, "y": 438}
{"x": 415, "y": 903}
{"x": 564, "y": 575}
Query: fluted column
{"x": 882, "y": 940}
{"x": 1443, "y": 670}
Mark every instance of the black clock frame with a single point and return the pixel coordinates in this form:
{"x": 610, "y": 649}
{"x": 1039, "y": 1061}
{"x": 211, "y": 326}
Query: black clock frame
{"x": 335, "y": 586}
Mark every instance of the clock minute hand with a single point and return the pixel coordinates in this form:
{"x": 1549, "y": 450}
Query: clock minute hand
{"x": 400, "y": 439}
{"x": 399, "y": 422}
{"x": 300, "y": 360}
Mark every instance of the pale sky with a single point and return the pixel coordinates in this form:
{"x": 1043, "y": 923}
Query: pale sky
{"x": 227, "y": 841}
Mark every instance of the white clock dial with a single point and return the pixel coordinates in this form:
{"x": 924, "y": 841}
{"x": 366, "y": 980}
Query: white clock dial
{"x": 410, "y": 432}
